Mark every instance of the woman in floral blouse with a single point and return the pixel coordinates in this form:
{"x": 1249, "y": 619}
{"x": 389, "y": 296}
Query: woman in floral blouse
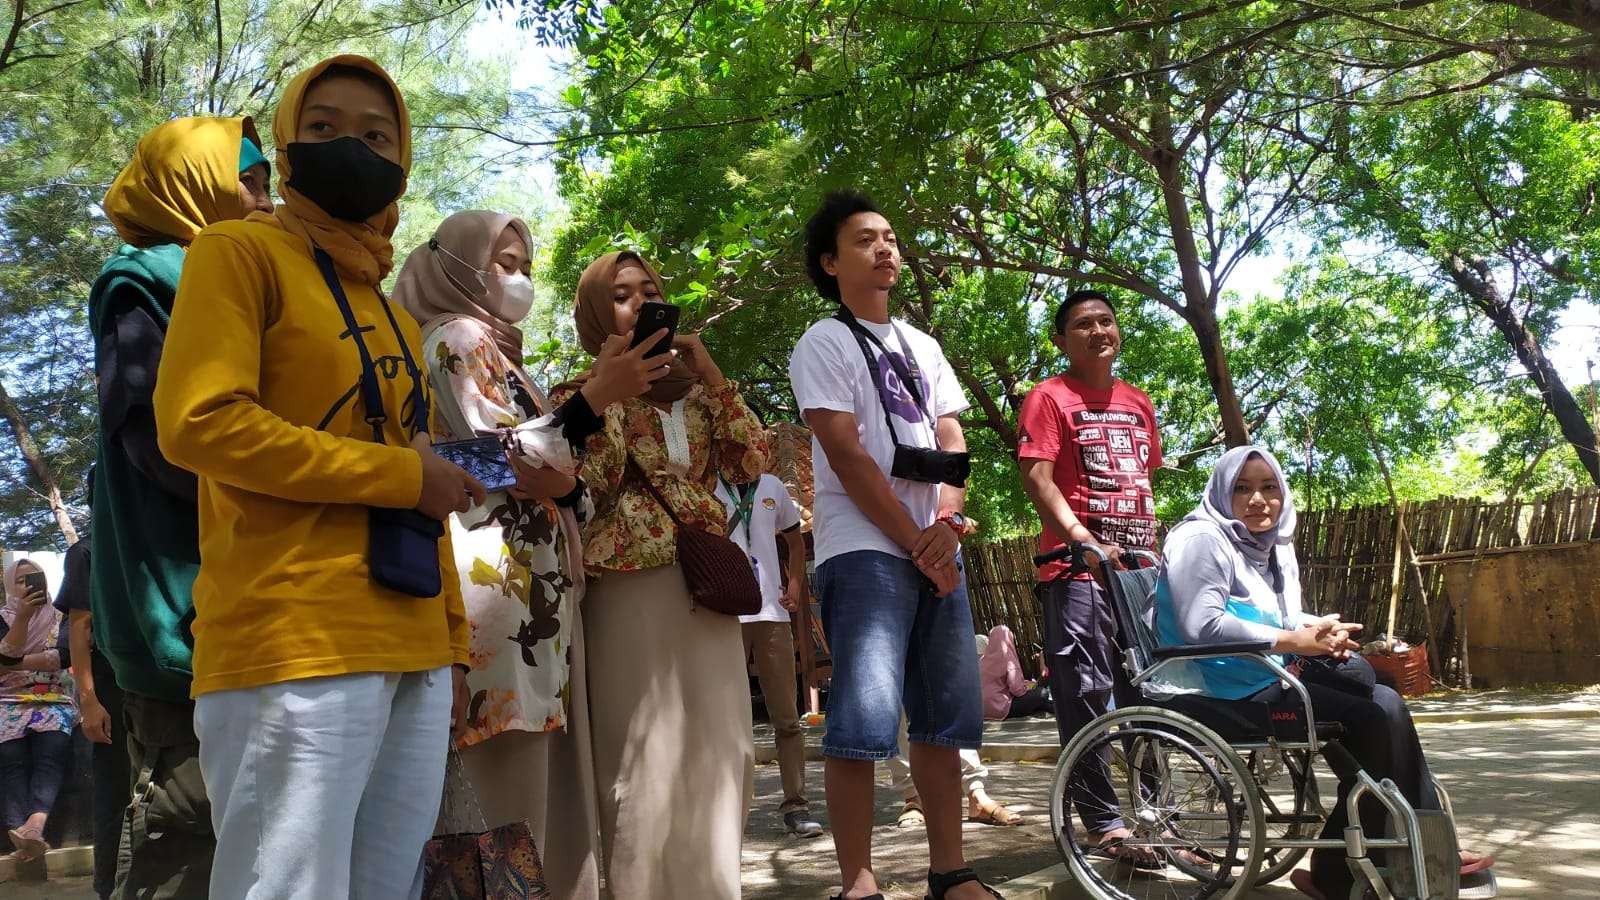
{"x": 37, "y": 714}
{"x": 667, "y": 684}
{"x": 526, "y": 746}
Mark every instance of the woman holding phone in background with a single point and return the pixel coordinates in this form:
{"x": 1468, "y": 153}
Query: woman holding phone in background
{"x": 668, "y": 692}
{"x": 37, "y": 714}
{"x": 525, "y": 747}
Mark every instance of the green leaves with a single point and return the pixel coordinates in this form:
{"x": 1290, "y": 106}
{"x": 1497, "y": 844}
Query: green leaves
{"x": 91, "y": 79}
{"x": 1024, "y": 149}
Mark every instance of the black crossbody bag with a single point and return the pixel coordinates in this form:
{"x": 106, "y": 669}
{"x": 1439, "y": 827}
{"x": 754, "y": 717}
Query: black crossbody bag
{"x": 402, "y": 544}
{"x": 927, "y": 465}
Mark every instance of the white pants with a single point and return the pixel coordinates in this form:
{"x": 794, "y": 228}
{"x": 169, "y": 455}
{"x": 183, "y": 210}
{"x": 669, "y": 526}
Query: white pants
{"x": 324, "y": 787}
{"x": 973, "y": 771}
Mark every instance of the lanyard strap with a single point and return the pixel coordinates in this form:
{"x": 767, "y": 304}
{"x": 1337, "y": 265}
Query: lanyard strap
{"x": 743, "y": 509}
{"x": 907, "y": 376}
{"x": 371, "y": 392}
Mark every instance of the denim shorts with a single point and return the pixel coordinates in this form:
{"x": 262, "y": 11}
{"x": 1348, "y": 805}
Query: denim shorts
{"x": 895, "y": 645}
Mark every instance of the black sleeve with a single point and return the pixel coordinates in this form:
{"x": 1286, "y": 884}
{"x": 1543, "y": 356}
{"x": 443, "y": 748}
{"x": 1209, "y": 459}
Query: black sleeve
{"x": 64, "y": 644}
{"x": 130, "y": 354}
{"x": 578, "y": 420}
{"x": 74, "y": 592}
{"x": 5, "y": 629}
{"x": 573, "y": 496}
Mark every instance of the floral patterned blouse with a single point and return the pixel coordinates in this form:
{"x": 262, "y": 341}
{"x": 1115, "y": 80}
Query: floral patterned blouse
{"x": 709, "y": 432}
{"x": 518, "y": 559}
{"x": 37, "y": 700}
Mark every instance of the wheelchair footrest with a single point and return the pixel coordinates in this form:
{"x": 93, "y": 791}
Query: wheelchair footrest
{"x": 1479, "y": 886}
{"x": 1440, "y": 853}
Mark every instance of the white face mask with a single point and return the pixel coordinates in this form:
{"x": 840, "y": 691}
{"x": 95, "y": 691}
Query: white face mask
{"x": 510, "y": 300}
{"x": 513, "y": 299}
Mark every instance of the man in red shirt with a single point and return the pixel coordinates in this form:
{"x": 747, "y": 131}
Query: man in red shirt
{"x": 1087, "y": 446}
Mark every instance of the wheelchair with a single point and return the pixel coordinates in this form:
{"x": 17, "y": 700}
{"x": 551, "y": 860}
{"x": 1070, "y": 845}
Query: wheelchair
{"x": 1220, "y": 795}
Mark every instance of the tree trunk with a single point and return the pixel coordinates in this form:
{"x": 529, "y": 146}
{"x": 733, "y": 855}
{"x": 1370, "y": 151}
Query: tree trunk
{"x": 1203, "y": 320}
{"x": 1474, "y": 278}
{"x": 1199, "y": 309}
{"x": 36, "y": 462}
{"x": 1581, "y": 14}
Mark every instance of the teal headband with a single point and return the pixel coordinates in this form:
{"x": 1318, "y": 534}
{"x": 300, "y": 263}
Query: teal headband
{"x": 250, "y": 155}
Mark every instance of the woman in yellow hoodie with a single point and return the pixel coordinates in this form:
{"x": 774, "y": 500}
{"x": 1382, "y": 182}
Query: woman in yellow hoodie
{"x": 324, "y": 641}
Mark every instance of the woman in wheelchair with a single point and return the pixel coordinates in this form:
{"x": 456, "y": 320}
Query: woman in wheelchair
{"x": 1230, "y": 576}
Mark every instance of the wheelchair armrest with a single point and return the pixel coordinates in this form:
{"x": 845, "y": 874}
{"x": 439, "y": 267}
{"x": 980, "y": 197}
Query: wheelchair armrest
{"x": 1237, "y": 648}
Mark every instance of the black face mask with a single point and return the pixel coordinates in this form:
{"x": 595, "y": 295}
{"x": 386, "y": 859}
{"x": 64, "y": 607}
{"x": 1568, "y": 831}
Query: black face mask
{"x": 345, "y": 177}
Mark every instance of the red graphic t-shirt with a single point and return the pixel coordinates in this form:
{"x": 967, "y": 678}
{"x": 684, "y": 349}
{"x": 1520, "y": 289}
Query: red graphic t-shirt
{"x": 1104, "y": 445}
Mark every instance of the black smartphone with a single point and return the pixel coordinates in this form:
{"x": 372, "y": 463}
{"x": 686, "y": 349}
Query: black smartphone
{"x": 654, "y": 316}
{"x": 483, "y": 458}
{"x": 33, "y": 583}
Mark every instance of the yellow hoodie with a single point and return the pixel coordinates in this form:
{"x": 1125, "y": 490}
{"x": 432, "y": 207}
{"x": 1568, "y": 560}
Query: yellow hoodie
{"x": 257, "y": 394}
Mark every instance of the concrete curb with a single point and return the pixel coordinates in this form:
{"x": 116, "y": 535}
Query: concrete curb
{"x": 1495, "y": 715}
{"x": 1048, "y": 753}
{"x": 67, "y": 862}
{"x": 1053, "y": 883}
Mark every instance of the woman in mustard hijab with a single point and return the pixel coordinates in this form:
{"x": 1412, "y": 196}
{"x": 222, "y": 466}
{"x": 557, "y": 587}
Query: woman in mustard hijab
{"x": 330, "y": 641}
{"x": 185, "y": 175}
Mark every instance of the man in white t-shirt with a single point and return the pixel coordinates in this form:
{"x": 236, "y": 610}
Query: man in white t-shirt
{"x": 890, "y": 464}
{"x": 757, "y": 513}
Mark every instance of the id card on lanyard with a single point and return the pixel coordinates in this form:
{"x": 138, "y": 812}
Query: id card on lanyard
{"x": 743, "y": 512}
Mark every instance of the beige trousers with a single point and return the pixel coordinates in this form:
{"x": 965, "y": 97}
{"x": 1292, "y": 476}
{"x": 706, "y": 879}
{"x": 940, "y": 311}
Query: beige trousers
{"x": 547, "y": 780}
{"x": 771, "y": 646}
{"x": 670, "y": 707}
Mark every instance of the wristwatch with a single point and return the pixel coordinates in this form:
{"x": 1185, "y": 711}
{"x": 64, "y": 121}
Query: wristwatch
{"x": 957, "y": 522}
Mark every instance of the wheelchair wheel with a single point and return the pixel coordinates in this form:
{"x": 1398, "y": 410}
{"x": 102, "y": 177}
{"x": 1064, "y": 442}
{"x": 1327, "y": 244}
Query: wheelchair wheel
{"x": 1292, "y": 806}
{"x": 1166, "y": 784}
{"x": 1291, "y": 809}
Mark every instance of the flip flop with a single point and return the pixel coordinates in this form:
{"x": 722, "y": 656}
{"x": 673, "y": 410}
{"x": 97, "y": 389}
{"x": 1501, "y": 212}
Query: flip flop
{"x": 911, "y": 815}
{"x": 1477, "y": 862}
{"x": 1142, "y": 859}
{"x": 29, "y": 845}
{"x": 992, "y": 813}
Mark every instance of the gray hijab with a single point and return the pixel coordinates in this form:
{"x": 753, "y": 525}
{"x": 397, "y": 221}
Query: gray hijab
{"x": 1216, "y": 506}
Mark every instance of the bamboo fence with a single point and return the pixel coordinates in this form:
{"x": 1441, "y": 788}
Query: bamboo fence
{"x": 1346, "y": 562}
{"x": 1347, "y": 555}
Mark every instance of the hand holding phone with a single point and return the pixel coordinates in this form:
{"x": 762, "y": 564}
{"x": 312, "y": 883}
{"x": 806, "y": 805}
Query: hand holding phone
{"x": 654, "y": 316}
{"x": 483, "y": 458}
{"x": 34, "y": 588}
{"x": 621, "y": 372}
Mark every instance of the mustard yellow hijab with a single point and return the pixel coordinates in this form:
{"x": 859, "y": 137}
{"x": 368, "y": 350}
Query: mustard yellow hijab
{"x": 184, "y": 175}
{"x": 360, "y": 249}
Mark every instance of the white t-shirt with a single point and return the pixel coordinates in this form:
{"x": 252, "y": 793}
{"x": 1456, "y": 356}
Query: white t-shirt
{"x": 772, "y": 512}
{"x": 828, "y": 372}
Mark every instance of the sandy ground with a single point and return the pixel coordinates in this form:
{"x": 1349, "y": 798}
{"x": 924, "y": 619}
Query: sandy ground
{"x": 1525, "y": 789}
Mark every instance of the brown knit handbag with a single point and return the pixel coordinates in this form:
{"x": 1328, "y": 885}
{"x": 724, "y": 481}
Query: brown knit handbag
{"x": 717, "y": 572}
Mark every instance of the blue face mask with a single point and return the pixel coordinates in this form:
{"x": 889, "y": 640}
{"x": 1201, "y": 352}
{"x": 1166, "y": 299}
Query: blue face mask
{"x": 345, "y": 177}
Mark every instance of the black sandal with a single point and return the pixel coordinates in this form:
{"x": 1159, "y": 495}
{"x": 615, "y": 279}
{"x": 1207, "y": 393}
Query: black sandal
{"x": 867, "y": 897}
{"x": 938, "y": 884}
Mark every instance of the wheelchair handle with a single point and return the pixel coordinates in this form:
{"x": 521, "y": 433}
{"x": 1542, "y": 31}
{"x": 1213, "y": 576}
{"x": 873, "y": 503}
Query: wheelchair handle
{"x": 1077, "y": 549}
